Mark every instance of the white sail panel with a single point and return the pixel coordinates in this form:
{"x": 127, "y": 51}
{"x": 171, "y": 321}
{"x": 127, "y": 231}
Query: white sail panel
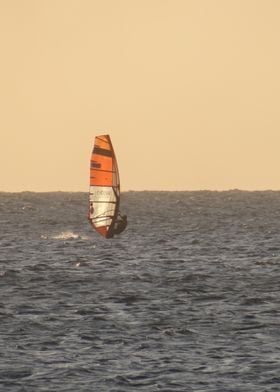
{"x": 103, "y": 204}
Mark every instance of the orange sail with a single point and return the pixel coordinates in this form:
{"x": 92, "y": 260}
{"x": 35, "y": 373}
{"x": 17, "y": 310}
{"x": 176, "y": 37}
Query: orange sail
{"x": 104, "y": 192}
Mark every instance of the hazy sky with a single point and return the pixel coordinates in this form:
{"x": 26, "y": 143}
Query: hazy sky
{"x": 189, "y": 91}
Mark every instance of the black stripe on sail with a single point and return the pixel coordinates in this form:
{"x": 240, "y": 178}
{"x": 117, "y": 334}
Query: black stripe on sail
{"x": 95, "y": 165}
{"x": 102, "y": 151}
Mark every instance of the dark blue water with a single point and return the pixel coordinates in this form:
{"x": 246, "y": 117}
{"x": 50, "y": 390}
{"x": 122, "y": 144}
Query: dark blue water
{"x": 187, "y": 299}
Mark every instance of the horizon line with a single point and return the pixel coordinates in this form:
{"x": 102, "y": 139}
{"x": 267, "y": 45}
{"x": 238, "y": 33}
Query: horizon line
{"x": 154, "y": 190}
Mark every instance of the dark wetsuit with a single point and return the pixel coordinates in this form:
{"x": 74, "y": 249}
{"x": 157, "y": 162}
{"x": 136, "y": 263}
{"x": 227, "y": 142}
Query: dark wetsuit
{"x": 119, "y": 226}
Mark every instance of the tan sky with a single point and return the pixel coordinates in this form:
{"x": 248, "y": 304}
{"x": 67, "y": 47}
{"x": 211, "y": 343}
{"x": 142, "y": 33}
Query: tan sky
{"x": 189, "y": 91}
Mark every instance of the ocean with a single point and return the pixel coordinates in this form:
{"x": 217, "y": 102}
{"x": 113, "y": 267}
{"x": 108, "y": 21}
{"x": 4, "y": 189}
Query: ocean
{"x": 186, "y": 299}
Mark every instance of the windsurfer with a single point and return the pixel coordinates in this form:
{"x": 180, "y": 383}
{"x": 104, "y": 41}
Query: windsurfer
{"x": 119, "y": 226}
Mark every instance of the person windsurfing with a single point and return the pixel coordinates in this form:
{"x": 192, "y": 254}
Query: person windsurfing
{"x": 119, "y": 226}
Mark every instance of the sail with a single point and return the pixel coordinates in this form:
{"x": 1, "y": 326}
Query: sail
{"x": 104, "y": 192}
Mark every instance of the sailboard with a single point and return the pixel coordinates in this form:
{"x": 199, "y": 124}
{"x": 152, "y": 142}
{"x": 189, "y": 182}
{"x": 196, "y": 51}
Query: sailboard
{"x": 104, "y": 191}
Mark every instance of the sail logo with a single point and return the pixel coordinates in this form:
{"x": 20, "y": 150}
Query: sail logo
{"x": 99, "y": 192}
